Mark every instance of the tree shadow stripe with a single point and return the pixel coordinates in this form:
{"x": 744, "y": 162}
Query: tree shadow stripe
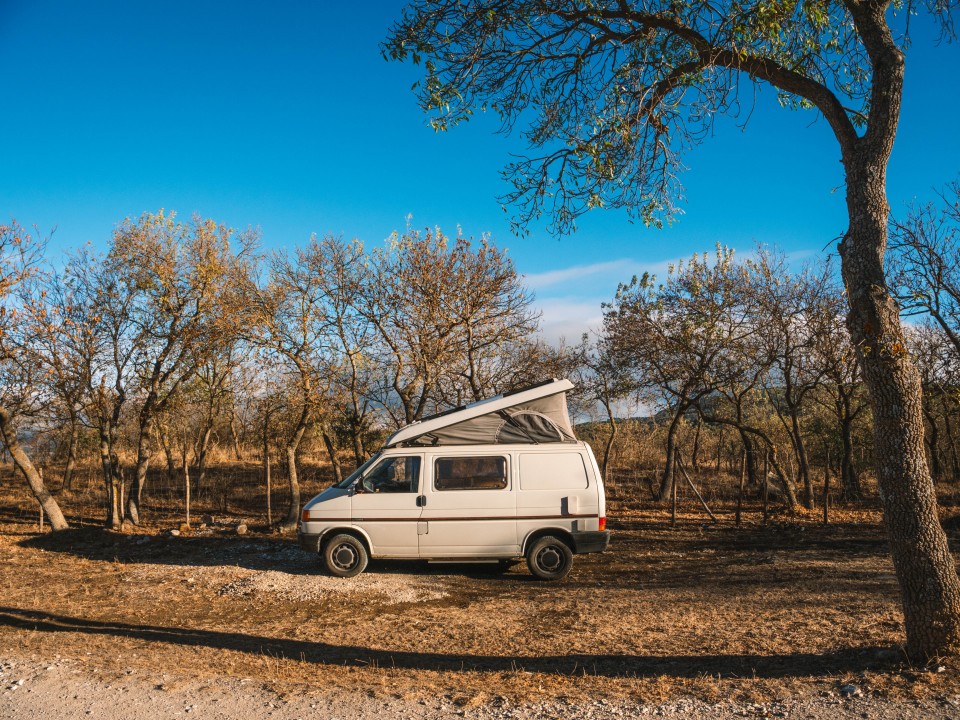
{"x": 793, "y": 665}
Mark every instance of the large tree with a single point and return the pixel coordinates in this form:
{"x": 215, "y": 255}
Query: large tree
{"x": 294, "y": 332}
{"x": 181, "y": 280}
{"x": 452, "y": 317}
{"x": 98, "y": 334}
{"x": 20, "y": 252}
{"x": 616, "y": 90}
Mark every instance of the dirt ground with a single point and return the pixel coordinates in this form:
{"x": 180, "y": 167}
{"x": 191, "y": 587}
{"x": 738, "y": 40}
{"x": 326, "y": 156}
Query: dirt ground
{"x": 793, "y": 614}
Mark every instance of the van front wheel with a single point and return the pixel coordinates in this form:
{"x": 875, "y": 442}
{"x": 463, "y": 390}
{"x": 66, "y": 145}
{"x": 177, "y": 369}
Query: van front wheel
{"x": 549, "y": 558}
{"x": 345, "y": 556}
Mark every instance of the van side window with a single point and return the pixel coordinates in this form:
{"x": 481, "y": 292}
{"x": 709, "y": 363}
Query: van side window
{"x": 393, "y": 475}
{"x": 470, "y": 473}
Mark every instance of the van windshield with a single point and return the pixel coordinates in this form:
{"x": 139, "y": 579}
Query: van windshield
{"x": 352, "y": 477}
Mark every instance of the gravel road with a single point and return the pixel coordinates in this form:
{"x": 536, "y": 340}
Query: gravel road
{"x": 31, "y": 688}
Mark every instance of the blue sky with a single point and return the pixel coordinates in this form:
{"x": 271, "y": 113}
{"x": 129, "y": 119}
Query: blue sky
{"x": 284, "y": 116}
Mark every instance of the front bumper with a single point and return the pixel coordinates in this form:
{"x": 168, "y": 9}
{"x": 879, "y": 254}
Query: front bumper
{"x": 309, "y": 542}
{"x": 590, "y": 541}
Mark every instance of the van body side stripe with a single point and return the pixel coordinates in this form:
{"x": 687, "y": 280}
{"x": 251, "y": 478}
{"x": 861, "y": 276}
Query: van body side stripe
{"x": 451, "y": 519}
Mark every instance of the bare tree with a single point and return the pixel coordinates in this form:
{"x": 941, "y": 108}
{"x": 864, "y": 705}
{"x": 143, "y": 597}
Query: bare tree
{"x": 405, "y": 300}
{"x": 447, "y": 314}
{"x": 792, "y": 308}
{"x": 940, "y": 374}
{"x": 57, "y": 332}
{"x": 841, "y": 393}
{"x": 103, "y": 339}
{"x": 212, "y": 390}
{"x": 339, "y": 271}
{"x": 925, "y": 262}
{"x": 606, "y": 383}
{"x": 183, "y": 279}
{"x": 683, "y": 338}
{"x": 493, "y": 315}
{"x": 293, "y": 331}
{"x": 20, "y": 252}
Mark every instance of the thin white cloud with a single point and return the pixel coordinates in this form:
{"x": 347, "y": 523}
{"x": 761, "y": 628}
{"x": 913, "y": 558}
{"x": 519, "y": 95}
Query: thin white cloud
{"x": 538, "y": 281}
{"x": 594, "y": 279}
{"x": 569, "y": 318}
{"x": 570, "y": 298}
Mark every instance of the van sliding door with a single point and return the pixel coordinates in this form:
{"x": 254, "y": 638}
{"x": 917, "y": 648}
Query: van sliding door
{"x": 469, "y": 508}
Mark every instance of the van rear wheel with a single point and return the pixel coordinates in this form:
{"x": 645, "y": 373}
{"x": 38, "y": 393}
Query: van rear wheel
{"x": 549, "y": 558}
{"x": 345, "y": 556}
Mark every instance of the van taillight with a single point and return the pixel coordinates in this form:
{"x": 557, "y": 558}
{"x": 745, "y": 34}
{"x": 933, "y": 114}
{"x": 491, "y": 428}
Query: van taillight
{"x": 603, "y": 523}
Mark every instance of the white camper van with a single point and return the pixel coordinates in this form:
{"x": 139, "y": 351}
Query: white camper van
{"x": 496, "y": 480}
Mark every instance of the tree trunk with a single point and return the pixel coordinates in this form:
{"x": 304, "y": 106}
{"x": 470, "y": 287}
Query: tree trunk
{"x": 266, "y": 466}
{"x": 238, "y": 456}
{"x": 789, "y": 492}
{"x": 666, "y": 482}
{"x": 612, "y": 421}
{"x": 695, "y": 452}
{"x": 357, "y": 422}
{"x": 826, "y": 487}
{"x": 743, "y": 474}
{"x": 358, "y": 451}
{"x": 186, "y": 480}
{"x": 719, "y": 448}
{"x": 293, "y": 513}
{"x": 143, "y": 465}
{"x": 71, "y": 451}
{"x": 803, "y": 465}
{"x": 933, "y": 442}
{"x": 849, "y": 479}
{"x": 108, "y": 460}
{"x": 954, "y": 457}
{"x": 168, "y": 454}
{"x": 25, "y": 465}
{"x": 331, "y": 452}
{"x": 203, "y": 448}
{"x": 751, "y": 462}
{"x": 930, "y": 589}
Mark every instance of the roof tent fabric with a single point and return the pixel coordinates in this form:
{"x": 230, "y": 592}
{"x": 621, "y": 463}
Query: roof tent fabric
{"x": 529, "y": 426}
{"x": 542, "y": 419}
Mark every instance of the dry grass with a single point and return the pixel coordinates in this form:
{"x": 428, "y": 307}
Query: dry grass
{"x": 712, "y": 611}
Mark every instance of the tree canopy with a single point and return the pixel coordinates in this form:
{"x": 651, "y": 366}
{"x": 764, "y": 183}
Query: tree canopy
{"x": 611, "y": 93}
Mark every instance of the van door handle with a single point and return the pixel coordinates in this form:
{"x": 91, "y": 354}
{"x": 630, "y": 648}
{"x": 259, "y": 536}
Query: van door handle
{"x": 421, "y": 500}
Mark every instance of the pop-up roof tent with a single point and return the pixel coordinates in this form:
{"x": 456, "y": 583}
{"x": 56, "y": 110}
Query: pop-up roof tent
{"x": 536, "y": 414}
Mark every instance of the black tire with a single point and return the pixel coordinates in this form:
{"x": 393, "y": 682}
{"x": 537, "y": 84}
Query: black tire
{"x": 345, "y": 556}
{"x": 549, "y": 558}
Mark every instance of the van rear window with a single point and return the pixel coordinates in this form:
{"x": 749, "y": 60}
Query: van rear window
{"x": 552, "y": 471}
{"x": 470, "y": 473}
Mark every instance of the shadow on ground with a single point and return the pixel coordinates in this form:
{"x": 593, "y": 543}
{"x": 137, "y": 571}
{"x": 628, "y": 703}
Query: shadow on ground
{"x": 722, "y": 559}
{"x": 794, "y": 665}
{"x": 251, "y": 553}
